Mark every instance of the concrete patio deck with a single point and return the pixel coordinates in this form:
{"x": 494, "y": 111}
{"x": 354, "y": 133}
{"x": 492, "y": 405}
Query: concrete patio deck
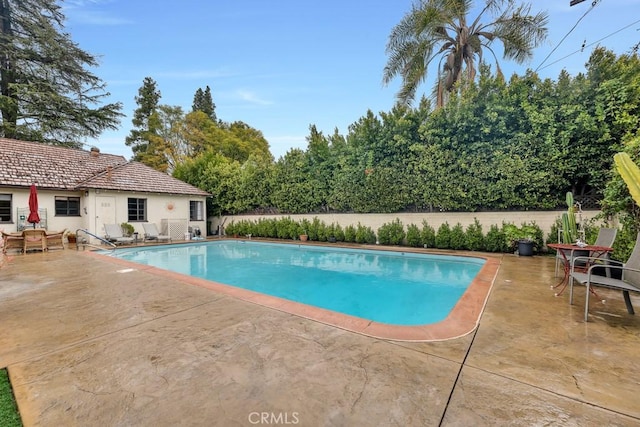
{"x": 87, "y": 343}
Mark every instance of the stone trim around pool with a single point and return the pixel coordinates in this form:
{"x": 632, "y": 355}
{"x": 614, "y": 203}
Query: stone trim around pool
{"x": 462, "y": 320}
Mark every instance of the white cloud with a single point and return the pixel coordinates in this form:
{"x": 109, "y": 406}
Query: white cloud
{"x": 251, "y": 97}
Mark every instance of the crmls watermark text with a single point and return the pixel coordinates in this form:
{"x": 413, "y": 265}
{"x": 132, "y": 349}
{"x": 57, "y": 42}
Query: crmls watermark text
{"x": 276, "y": 418}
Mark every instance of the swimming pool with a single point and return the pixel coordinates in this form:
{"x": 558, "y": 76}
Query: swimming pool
{"x": 394, "y": 288}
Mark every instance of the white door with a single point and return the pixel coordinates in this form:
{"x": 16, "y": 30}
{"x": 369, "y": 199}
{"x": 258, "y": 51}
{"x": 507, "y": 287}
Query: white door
{"x": 105, "y": 213}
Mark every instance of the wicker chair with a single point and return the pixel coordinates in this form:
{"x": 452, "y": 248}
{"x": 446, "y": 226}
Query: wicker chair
{"x": 34, "y": 239}
{"x": 55, "y": 239}
{"x": 12, "y": 241}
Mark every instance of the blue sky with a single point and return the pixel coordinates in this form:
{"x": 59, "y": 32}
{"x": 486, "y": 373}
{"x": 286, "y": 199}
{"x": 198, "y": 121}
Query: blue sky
{"x": 283, "y": 65}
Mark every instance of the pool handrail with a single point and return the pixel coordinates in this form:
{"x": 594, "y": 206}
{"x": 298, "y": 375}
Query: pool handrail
{"x": 85, "y": 243}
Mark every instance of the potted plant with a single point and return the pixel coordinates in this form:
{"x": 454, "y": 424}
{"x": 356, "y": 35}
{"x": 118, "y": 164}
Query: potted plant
{"x": 304, "y": 225}
{"x": 71, "y": 237}
{"x": 127, "y": 229}
{"x": 521, "y": 239}
{"x": 525, "y": 246}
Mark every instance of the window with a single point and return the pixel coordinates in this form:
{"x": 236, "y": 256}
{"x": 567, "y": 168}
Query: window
{"x": 67, "y": 206}
{"x": 5, "y": 207}
{"x": 196, "y": 210}
{"x": 137, "y": 209}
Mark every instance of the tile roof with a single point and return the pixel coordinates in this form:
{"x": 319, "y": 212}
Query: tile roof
{"x": 52, "y": 167}
{"x": 134, "y": 176}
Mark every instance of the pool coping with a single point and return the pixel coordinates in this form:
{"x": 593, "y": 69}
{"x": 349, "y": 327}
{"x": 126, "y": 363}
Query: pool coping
{"x": 462, "y": 320}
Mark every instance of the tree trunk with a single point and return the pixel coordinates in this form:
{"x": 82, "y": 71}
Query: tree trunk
{"x": 8, "y": 109}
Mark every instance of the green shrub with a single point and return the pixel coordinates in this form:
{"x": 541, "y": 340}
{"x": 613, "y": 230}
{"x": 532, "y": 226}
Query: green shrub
{"x": 626, "y": 238}
{"x": 127, "y": 229}
{"x": 272, "y": 228}
{"x": 334, "y": 231}
{"x": 475, "y": 237}
{"x": 495, "y": 240}
{"x": 443, "y": 236}
{"x": 457, "y": 238}
{"x": 240, "y": 228}
{"x": 315, "y": 230}
{"x": 295, "y": 230}
{"x": 262, "y": 227}
{"x": 553, "y": 234}
{"x": 284, "y": 227}
{"x": 592, "y": 227}
{"x": 391, "y": 233}
{"x": 323, "y": 232}
{"x": 338, "y": 233}
{"x": 533, "y": 231}
{"x": 305, "y": 224}
{"x": 511, "y": 236}
{"x": 246, "y": 227}
{"x": 428, "y": 235}
{"x": 365, "y": 234}
{"x": 230, "y": 229}
{"x": 350, "y": 234}
{"x": 527, "y": 231}
{"x": 414, "y": 239}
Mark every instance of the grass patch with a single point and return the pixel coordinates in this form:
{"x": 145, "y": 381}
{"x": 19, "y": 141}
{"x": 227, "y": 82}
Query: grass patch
{"x": 9, "y": 416}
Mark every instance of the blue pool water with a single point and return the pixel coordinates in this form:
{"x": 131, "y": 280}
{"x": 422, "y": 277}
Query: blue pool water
{"x": 388, "y": 287}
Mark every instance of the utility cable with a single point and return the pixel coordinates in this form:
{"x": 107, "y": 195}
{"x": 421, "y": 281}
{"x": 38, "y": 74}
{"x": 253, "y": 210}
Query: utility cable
{"x": 593, "y": 5}
{"x": 589, "y": 45}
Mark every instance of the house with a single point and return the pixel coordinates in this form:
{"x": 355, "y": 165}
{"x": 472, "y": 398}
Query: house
{"x": 80, "y": 189}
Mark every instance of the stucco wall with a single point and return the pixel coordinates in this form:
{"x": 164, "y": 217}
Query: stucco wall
{"x": 159, "y": 207}
{"x": 544, "y": 219}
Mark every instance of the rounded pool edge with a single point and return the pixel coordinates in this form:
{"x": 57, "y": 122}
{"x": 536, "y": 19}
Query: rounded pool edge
{"x": 462, "y": 320}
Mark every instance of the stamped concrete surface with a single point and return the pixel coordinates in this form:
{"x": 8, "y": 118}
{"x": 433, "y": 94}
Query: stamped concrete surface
{"x": 88, "y": 342}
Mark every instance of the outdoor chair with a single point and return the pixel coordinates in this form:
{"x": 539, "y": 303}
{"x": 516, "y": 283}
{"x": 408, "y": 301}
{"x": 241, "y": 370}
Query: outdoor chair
{"x": 151, "y": 233}
{"x": 34, "y": 239}
{"x": 606, "y": 237}
{"x": 12, "y": 241}
{"x": 629, "y": 281}
{"x": 113, "y": 233}
{"x": 55, "y": 239}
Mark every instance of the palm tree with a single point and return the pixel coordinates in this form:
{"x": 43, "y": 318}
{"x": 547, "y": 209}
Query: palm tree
{"x": 439, "y": 29}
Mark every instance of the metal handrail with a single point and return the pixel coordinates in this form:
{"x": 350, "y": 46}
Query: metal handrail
{"x": 106, "y": 242}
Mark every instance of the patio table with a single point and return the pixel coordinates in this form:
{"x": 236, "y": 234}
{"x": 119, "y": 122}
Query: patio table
{"x": 563, "y": 248}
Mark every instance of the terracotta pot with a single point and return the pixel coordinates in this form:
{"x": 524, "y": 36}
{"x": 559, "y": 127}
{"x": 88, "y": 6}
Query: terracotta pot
{"x": 303, "y": 237}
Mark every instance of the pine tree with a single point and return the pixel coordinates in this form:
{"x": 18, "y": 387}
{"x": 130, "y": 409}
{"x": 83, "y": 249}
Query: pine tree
{"x": 147, "y": 99}
{"x": 202, "y": 101}
{"x": 47, "y": 93}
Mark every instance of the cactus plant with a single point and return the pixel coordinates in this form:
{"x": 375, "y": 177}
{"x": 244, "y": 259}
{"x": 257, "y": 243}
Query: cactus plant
{"x": 569, "y": 225}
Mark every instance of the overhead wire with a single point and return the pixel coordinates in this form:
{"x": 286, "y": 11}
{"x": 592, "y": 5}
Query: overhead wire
{"x": 589, "y": 45}
{"x": 593, "y": 5}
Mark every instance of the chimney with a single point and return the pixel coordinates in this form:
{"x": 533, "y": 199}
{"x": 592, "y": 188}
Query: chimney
{"x": 109, "y": 170}
{"x": 95, "y": 152}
